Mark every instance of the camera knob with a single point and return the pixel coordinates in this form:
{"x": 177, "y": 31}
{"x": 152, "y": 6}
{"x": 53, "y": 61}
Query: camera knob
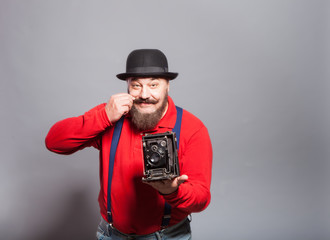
{"x": 154, "y": 148}
{"x": 163, "y": 143}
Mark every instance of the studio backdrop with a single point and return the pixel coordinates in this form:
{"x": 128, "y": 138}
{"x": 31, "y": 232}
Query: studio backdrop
{"x": 255, "y": 72}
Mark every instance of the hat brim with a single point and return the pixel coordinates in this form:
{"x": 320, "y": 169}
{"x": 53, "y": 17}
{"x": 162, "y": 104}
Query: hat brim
{"x": 167, "y": 75}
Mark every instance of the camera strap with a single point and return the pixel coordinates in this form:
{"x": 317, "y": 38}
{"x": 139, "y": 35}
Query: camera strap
{"x": 114, "y": 143}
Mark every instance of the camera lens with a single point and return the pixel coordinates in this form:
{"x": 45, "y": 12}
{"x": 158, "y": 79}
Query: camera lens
{"x": 155, "y": 160}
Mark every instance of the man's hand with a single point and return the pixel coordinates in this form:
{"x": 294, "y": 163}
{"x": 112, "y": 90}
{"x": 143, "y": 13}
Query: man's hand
{"x": 168, "y": 186}
{"x": 118, "y": 105}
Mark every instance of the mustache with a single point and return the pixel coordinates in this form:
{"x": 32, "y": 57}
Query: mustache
{"x": 141, "y": 100}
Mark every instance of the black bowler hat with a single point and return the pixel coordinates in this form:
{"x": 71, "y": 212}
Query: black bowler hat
{"x": 147, "y": 63}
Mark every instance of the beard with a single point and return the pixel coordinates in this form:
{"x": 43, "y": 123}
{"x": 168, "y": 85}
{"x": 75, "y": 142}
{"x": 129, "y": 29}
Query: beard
{"x": 147, "y": 121}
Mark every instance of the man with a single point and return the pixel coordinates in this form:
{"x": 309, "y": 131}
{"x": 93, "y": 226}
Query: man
{"x": 132, "y": 208}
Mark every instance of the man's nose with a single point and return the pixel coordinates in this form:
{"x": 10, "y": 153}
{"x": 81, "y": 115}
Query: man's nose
{"x": 145, "y": 93}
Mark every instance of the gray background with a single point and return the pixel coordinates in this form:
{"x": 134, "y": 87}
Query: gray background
{"x": 256, "y": 72}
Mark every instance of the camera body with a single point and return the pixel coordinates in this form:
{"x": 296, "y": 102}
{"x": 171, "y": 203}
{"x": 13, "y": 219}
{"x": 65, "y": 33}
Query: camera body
{"x": 160, "y": 156}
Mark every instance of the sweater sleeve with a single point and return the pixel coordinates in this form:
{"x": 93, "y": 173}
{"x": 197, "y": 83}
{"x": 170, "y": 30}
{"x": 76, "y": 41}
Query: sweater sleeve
{"x": 72, "y": 134}
{"x": 196, "y": 162}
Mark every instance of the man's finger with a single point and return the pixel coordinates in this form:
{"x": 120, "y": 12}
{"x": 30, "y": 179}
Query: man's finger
{"x": 182, "y": 179}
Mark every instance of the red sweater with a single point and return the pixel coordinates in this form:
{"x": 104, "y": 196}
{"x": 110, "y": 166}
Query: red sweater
{"x": 137, "y": 208}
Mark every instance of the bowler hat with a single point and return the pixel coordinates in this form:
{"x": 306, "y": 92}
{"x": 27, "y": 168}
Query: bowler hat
{"x": 147, "y": 63}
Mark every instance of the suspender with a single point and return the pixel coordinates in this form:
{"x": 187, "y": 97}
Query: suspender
{"x": 113, "y": 149}
{"x": 177, "y": 127}
{"x": 114, "y": 143}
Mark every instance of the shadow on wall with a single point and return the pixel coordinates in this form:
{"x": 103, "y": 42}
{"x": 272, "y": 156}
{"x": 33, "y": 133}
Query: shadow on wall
{"x": 77, "y": 221}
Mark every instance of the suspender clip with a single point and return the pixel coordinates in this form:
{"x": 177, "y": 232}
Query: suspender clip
{"x": 109, "y": 217}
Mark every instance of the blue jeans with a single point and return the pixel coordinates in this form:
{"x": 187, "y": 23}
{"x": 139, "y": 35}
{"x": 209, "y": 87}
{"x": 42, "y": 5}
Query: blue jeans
{"x": 180, "y": 231}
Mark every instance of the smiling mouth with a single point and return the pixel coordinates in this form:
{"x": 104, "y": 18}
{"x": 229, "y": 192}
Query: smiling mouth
{"x": 142, "y": 105}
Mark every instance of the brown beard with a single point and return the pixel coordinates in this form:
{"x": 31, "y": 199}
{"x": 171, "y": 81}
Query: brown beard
{"x": 147, "y": 121}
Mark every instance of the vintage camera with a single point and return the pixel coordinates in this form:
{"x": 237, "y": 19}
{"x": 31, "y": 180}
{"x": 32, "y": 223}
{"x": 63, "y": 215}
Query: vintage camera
{"x": 160, "y": 156}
